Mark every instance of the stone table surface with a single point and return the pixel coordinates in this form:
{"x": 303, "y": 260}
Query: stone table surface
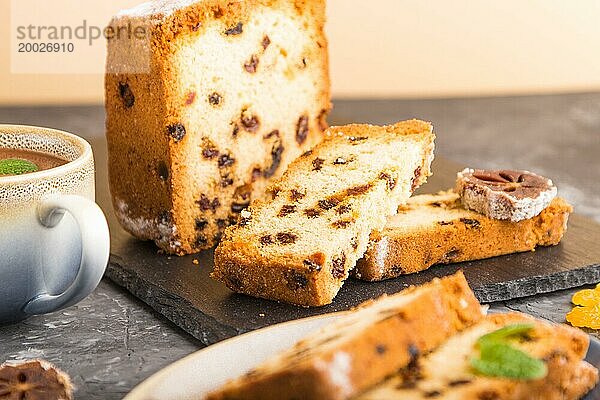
{"x": 112, "y": 341}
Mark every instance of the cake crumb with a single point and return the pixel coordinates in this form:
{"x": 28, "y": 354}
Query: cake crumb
{"x": 195, "y": 262}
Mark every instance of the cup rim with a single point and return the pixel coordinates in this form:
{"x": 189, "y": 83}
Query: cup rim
{"x": 52, "y": 172}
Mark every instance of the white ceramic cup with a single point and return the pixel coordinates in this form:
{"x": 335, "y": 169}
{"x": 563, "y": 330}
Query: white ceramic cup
{"x": 54, "y": 240}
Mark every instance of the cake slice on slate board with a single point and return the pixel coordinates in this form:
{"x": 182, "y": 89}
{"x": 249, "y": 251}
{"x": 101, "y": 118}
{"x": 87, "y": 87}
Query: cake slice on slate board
{"x": 299, "y": 245}
{"x": 447, "y": 373}
{"x": 218, "y": 99}
{"x": 364, "y": 346}
{"x": 438, "y": 229}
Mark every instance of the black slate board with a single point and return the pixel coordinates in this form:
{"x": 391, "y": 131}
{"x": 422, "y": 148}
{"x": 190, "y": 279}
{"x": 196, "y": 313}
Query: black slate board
{"x": 184, "y": 292}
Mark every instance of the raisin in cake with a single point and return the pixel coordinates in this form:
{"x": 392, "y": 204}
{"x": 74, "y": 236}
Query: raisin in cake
{"x": 437, "y": 229}
{"x": 205, "y": 113}
{"x": 362, "y": 347}
{"x": 446, "y": 372}
{"x": 299, "y": 245}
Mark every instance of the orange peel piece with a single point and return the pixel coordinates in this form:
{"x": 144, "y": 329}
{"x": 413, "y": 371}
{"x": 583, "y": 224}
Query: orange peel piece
{"x": 586, "y": 297}
{"x": 587, "y": 312}
{"x": 585, "y": 317}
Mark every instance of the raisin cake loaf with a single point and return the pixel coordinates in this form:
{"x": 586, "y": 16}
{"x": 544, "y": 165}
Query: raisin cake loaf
{"x": 446, "y": 373}
{"x": 206, "y": 111}
{"x": 363, "y": 346}
{"x": 299, "y": 245}
{"x": 437, "y": 229}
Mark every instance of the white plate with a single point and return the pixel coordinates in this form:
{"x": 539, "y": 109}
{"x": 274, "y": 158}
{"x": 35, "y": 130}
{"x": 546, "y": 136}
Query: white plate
{"x": 199, "y": 373}
{"x": 194, "y": 376}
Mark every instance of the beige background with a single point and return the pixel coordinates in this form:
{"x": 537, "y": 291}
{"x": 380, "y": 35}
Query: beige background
{"x": 402, "y": 48}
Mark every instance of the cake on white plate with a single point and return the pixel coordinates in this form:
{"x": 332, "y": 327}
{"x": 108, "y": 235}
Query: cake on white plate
{"x": 362, "y": 347}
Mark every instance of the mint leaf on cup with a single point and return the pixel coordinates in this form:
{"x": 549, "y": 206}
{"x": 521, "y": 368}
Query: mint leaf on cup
{"x": 498, "y": 358}
{"x": 17, "y": 166}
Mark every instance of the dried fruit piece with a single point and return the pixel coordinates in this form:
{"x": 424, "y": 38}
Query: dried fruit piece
{"x": 176, "y": 131}
{"x": 295, "y": 280}
{"x": 201, "y": 224}
{"x": 226, "y": 160}
{"x": 210, "y": 153}
{"x": 266, "y": 240}
{"x": 286, "y": 238}
{"x": 236, "y": 30}
{"x": 328, "y": 204}
{"x": 286, "y": 210}
{"x": 355, "y": 139}
{"x": 226, "y": 181}
{"x": 256, "y": 173}
{"x": 318, "y": 164}
{"x": 414, "y": 183}
{"x": 215, "y": 99}
{"x": 296, "y": 195}
{"x": 190, "y": 98}
{"x": 276, "y": 153}
{"x": 343, "y": 209}
{"x": 312, "y": 213}
{"x": 338, "y": 267}
{"x": 162, "y": 170}
{"x": 302, "y": 129}
{"x": 471, "y": 223}
{"x": 587, "y": 312}
{"x": 391, "y": 182}
{"x": 358, "y": 190}
{"x": 126, "y": 95}
{"x": 201, "y": 241}
{"x": 252, "y": 64}
{"x": 206, "y": 204}
{"x": 505, "y": 194}
{"x": 266, "y": 42}
{"x": 342, "y": 223}
{"x": 250, "y": 122}
{"x": 315, "y": 262}
{"x": 34, "y": 380}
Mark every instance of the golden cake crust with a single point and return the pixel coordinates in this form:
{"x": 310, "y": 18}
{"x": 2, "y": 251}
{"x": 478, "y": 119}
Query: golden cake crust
{"x": 194, "y": 138}
{"x": 436, "y": 229}
{"x": 299, "y": 246}
{"x": 362, "y": 347}
{"x": 446, "y": 373}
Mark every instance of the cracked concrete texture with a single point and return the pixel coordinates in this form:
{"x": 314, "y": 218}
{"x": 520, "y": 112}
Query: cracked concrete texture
{"x": 111, "y": 341}
{"x": 107, "y": 343}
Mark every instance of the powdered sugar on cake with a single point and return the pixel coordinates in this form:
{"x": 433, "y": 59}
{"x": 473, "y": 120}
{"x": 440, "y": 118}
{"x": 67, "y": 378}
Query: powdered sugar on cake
{"x": 157, "y": 7}
{"x": 152, "y": 229}
{"x": 339, "y": 369}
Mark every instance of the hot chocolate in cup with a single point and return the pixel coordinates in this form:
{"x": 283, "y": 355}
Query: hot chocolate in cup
{"x": 54, "y": 240}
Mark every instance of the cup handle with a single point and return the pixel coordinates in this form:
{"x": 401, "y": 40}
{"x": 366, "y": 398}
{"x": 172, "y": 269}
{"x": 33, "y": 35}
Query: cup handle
{"x": 95, "y": 248}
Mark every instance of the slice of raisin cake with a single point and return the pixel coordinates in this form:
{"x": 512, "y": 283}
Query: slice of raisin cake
{"x": 299, "y": 245}
{"x": 438, "y": 229}
{"x": 362, "y": 347}
{"x": 446, "y": 372}
{"x": 215, "y": 103}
